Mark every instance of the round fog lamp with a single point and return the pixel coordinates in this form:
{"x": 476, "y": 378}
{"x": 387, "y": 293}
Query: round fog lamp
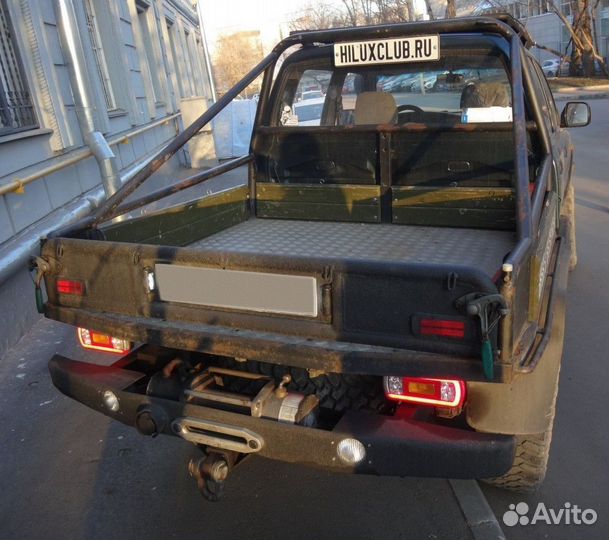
{"x": 351, "y": 451}
{"x": 111, "y": 401}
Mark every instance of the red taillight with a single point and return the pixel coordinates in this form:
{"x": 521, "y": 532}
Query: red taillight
{"x": 442, "y": 327}
{"x": 424, "y": 391}
{"x": 90, "y": 339}
{"x": 68, "y": 286}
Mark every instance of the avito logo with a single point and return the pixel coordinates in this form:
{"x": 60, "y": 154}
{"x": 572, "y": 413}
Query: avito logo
{"x": 569, "y": 514}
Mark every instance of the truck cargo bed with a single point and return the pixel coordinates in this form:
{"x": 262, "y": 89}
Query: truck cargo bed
{"x": 479, "y": 248}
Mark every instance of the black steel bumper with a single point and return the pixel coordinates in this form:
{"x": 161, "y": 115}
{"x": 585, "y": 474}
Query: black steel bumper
{"x": 394, "y": 446}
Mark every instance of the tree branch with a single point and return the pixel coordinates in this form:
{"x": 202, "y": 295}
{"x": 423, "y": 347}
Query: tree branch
{"x": 567, "y": 24}
{"x": 553, "y": 51}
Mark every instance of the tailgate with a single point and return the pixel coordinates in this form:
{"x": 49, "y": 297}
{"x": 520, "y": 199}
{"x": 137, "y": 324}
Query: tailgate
{"x": 341, "y": 315}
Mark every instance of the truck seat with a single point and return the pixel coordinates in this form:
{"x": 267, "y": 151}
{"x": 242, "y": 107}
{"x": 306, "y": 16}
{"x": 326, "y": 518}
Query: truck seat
{"x": 484, "y": 95}
{"x": 375, "y": 108}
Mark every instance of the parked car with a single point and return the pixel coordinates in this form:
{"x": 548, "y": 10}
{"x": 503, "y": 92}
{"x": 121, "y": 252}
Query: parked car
{"x": 311, "y": 94}
{"x": 427, "y": 82}
{"x": 455, "y": 80}
{"x": 554, "y": 67}
{"x": 309, "y": 111}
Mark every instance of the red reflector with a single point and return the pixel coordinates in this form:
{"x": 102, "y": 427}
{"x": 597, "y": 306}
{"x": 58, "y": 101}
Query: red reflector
{"x": 90, "y": 339}
{"x": 67, "y": 286}
{"x": 425, "y": 391}
{"x": 444, "y": 328}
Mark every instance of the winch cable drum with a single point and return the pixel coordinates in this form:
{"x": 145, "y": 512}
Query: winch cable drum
{"x": 208, "y": 386}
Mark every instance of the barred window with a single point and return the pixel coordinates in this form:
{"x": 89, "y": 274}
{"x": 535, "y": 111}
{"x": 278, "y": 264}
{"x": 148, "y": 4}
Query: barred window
{"x": 16, "y": 109}
{"x": 100, "y": 59}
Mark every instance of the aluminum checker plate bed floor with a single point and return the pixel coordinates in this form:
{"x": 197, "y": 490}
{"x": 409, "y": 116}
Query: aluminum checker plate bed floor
{"x": 483, "y": 249}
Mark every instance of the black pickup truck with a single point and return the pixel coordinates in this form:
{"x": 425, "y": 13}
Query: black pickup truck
{"x": 384, "y": 294}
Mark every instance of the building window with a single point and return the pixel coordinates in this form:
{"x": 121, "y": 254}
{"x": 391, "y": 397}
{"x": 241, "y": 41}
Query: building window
{"x": 100, "y": 59}
{"x": 175, "y": 58}
{"x": 206, "y": 83}
{"x": 153, "y": 60}
{"x": 191, "y": 65}
{"x": 534, "y": 8}
{"x": 516, "y": 11}
{"x": 16, "y": 109}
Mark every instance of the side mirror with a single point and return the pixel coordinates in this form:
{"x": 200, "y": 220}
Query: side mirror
{"x": 575, "y": 114}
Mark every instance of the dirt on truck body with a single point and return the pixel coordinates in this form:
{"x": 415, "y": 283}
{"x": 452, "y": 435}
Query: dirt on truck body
{"x": 384, "y": 294}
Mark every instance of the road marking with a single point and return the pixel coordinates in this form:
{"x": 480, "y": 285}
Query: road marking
{"x": 478, "y": 514}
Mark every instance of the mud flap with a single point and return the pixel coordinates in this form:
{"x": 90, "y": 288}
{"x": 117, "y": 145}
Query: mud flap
{"x": 525, "y": 405}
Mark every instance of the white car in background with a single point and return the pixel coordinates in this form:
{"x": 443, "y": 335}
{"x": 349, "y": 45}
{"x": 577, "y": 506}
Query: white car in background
{"x": 311, "y": 94}
{"x": 553, "y": 67}
{"x": 418, "y": 83}
{"x": 309, "y": 111}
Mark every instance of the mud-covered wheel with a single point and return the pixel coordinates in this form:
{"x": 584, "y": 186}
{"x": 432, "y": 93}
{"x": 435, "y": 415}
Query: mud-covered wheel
{"x": 531, "y": 456}
{"x": 336, "y": 392}
{"x": 568, "y": 210}
{"x": 530, "y": 463}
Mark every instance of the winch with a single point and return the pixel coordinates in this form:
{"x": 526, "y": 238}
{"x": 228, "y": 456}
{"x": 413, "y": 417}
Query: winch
{"x": 262, "y": 398}
{"x": 271, "y": 401}
{"x": 224, "y": 445}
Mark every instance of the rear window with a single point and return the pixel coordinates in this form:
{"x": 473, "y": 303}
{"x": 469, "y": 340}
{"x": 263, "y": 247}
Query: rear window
{"x": 461, "y": 86}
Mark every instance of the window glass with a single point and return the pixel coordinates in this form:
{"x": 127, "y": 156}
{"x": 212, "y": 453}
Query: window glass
{"x": 461, "y": 89}
{"x": 152, "y": 58}
{"x": 304, "y": 97}
{"x": 16, "y": 109}
{"x": 100, "y": 58}
{"x": 175, "y": 59}
{"x": 548, "y": 106}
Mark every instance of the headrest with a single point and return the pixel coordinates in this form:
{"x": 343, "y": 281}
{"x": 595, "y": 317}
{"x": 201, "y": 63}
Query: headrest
{"x": 375, "y": 108}
{"x": 484, "y": 95}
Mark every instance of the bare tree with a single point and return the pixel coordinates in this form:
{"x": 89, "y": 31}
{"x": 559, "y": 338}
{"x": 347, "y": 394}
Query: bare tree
{"x": 360, "y": 12}
{"x": 234, "y": 57}
{"x": 389, "y": 11}
{"x": 316, "y": 16}
{"x": 451, "y": 9}
{"x": 429, "y": 10}
{"x": 584, "y": 50}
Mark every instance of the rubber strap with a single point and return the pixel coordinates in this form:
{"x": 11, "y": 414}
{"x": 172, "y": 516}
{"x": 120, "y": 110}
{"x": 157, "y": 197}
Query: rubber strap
{"x": 488, "y": 360}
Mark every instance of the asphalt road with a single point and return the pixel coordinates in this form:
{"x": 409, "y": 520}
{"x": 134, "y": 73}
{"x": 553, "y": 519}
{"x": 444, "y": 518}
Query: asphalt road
{"x": 67, "y": 472}
{"x": 578, "y": 468}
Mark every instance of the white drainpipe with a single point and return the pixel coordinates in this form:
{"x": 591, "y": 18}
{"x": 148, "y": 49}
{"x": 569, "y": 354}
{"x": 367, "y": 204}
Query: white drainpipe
{"x": 73, "y": 51}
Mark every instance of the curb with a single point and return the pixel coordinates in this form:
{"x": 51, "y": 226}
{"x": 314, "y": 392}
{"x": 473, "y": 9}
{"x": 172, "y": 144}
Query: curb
{"x": 592, "y": 88}
{"x": 559, "y": 96}
{"x": 475, "y": 508}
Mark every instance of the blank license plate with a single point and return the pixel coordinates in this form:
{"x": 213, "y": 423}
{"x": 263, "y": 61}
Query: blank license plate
{"x": 237, "y": 289}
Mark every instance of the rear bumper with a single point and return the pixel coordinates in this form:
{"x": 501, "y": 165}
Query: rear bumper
{"x": 394, "y": 446}
{"x": 283, "y": 349}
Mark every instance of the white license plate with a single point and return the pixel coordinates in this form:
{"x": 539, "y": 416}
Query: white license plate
{"x": 387, "y": 51}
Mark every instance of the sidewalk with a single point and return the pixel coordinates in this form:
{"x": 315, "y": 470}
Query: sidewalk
{"x": 570, "y": 93}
